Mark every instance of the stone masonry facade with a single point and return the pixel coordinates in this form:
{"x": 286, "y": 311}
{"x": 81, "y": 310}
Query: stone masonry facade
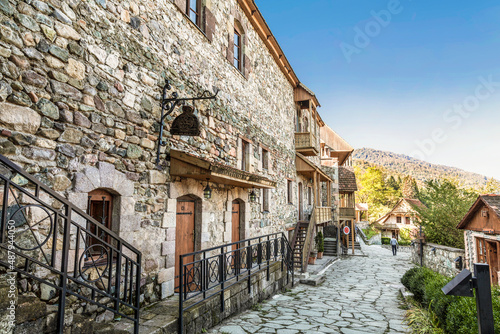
{"x": 80, "y": 92}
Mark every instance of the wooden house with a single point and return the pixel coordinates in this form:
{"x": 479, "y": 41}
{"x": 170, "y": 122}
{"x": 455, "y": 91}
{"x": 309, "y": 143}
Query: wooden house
{"x": 403, "y": 215}
{"x": 481, "y": 227}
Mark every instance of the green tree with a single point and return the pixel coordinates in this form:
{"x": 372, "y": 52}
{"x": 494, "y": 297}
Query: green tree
{"x": 374, "y": 190}
{"x": 446, "y": 203}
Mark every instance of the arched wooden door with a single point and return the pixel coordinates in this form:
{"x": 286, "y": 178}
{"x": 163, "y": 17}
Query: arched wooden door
{"x": 184, "y": 234}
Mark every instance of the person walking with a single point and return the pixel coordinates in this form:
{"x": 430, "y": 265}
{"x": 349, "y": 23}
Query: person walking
{"x": 394, "y": 244}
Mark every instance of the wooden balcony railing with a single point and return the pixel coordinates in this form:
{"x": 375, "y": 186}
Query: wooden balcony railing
{"x": 306, "y": 143}
{"x": 323, "y": 214}
{"x": 347, "y": 213}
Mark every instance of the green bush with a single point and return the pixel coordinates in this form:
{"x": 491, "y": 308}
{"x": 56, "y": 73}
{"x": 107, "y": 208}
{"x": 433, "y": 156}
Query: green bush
{"x": 370, "y": 232}
{"x": 404, "y": 242}
{"x": 320, "y": 242}
{"x": 386, "y": 241}
{"x": 455, "y": 315}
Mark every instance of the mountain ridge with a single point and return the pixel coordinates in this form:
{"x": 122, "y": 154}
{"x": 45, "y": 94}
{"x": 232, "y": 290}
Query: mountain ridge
{"x": 421, "y": 170}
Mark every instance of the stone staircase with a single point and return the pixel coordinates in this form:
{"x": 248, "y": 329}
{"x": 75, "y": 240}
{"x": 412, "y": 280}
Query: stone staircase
{"x": 298, "y": 247}
{"x": 330, "y": 247}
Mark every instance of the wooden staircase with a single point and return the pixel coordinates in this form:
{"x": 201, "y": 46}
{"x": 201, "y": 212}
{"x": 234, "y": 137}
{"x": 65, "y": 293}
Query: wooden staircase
{"x": 299, "y": 241}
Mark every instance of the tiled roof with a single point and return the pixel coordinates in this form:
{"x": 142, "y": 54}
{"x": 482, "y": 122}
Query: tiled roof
{"x": 493, "y": 201}
{"x": 415, "y": 202}
{"x": 347, "y": 179}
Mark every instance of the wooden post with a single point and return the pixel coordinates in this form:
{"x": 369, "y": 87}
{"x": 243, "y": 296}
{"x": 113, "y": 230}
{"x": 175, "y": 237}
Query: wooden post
{"x": 316, "y": 200}
{"x": 352, "y": 234}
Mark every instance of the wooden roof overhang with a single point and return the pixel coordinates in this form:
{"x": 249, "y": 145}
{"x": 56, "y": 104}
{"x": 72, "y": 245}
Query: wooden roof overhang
{"x": 466, "y": 222}
{"x": 259, "y": 23}
{"x": 190, "y": 166}
{"x": 341, "y": 155}
{"x": 307, "y": 168}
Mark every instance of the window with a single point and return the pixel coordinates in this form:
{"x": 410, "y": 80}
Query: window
{"x": 408, "y": 220}
{"x": 237, "y": 50}
{"x": 100, "y": 207}
{"x": 481, "y": 250}
{"x": 265, "y": 159}
{"x": 398, "y": 220}
{"x": 245, "y": 147}
{"x": 289, "y": 185}
{"x": 309, "y": 195}
{"x": 193, "y": 11}
{"x": 265, "y": 200}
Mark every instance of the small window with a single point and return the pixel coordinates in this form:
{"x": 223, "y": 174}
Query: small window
{"x": 309, "y": 195}
{"x": 237, "y": 50}
{"x": 265, "y": 200}
{"x": 398, "y": 220}
{"x": 481, "y": 250}
{"x": 193, "y": 11}
{"x": 265, "y": 159}
{"x": 245, "y": 147}
{"x": 408, "y": 220}
{"x": 100, "y": 207}
{"x": 289, "y": 185}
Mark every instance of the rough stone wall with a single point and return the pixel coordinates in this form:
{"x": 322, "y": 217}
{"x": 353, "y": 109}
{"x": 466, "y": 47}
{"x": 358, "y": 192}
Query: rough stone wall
{"x": 441, "y": 260}
{"x": 80, "y": 89}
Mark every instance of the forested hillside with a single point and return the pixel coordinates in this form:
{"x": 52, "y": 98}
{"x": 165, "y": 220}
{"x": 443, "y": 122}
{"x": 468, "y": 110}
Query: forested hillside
{"x": 421, "y": 171}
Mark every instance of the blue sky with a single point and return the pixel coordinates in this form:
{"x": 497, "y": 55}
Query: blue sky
{"x": 415, "y": 77}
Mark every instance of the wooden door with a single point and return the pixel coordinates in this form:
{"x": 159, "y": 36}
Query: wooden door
{"x": 301, "y": 204}
{"x": 235, "y": 224}
{"x": 492, "y": 251}
{"x": 184, "y": 234}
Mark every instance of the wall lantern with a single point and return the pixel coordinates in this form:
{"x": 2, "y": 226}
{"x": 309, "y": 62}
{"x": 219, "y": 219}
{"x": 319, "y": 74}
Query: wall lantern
{"x": 207, "y": 192}
{"x": 186, "y": 124}
{"x": 253, "y": 197}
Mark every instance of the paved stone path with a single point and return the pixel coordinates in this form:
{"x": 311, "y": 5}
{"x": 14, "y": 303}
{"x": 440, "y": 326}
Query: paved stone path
{"x": 360, "y": 295}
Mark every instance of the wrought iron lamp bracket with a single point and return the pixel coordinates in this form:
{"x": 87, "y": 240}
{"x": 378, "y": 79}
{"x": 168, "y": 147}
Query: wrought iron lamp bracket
{"x": 168, "y": 104}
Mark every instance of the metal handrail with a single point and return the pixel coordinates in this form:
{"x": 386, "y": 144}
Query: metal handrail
{"x": 40, "y": 227}
{"x": 210, "y": 272}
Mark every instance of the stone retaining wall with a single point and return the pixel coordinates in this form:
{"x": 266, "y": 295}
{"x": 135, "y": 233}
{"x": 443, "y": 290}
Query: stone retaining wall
{"x": 441, "y": 260}
{"x": 405, "y": 249}
{"x": 236, "y": 299}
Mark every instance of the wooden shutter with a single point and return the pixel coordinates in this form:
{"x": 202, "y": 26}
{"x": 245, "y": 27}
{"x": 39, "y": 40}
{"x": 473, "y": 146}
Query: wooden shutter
{"x": 209, "y": 21}
{"x": 182, "y": 4}
{"x": 247, "y": 64}
{"x": 230, "y": 47}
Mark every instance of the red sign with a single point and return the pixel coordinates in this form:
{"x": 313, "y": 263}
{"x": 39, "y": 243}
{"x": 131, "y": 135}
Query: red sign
{"x": 347, "y": 230}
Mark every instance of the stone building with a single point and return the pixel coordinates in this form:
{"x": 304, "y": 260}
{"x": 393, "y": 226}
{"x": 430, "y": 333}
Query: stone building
{"x": 80, "y": 105}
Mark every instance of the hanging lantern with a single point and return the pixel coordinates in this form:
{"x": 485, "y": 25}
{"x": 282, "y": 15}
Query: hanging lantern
{"x": 207, "y": 192}
{"x": 253, "y": 197}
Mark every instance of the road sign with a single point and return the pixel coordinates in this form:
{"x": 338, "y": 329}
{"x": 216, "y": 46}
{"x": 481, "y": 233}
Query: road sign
{"x": 346, "y": 230}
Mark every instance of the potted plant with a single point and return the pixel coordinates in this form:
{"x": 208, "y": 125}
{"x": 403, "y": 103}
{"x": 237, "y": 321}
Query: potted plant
{"x": 320, "y": 244}
{"x": 312, "y": 257}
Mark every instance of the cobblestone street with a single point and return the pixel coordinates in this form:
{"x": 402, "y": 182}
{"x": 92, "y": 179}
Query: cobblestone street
{"x": 360, "y": 295}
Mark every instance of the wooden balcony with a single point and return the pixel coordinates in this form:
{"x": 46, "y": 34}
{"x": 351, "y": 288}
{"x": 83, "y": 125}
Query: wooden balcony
{"x": 323, "y": 214}
{"x": 347, "y": 213}
{"x": 306, "y": 144}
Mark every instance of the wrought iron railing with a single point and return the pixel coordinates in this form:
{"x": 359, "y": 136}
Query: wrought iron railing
{"x": 47, "y": 238}
{"x": 210, "y": 272}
